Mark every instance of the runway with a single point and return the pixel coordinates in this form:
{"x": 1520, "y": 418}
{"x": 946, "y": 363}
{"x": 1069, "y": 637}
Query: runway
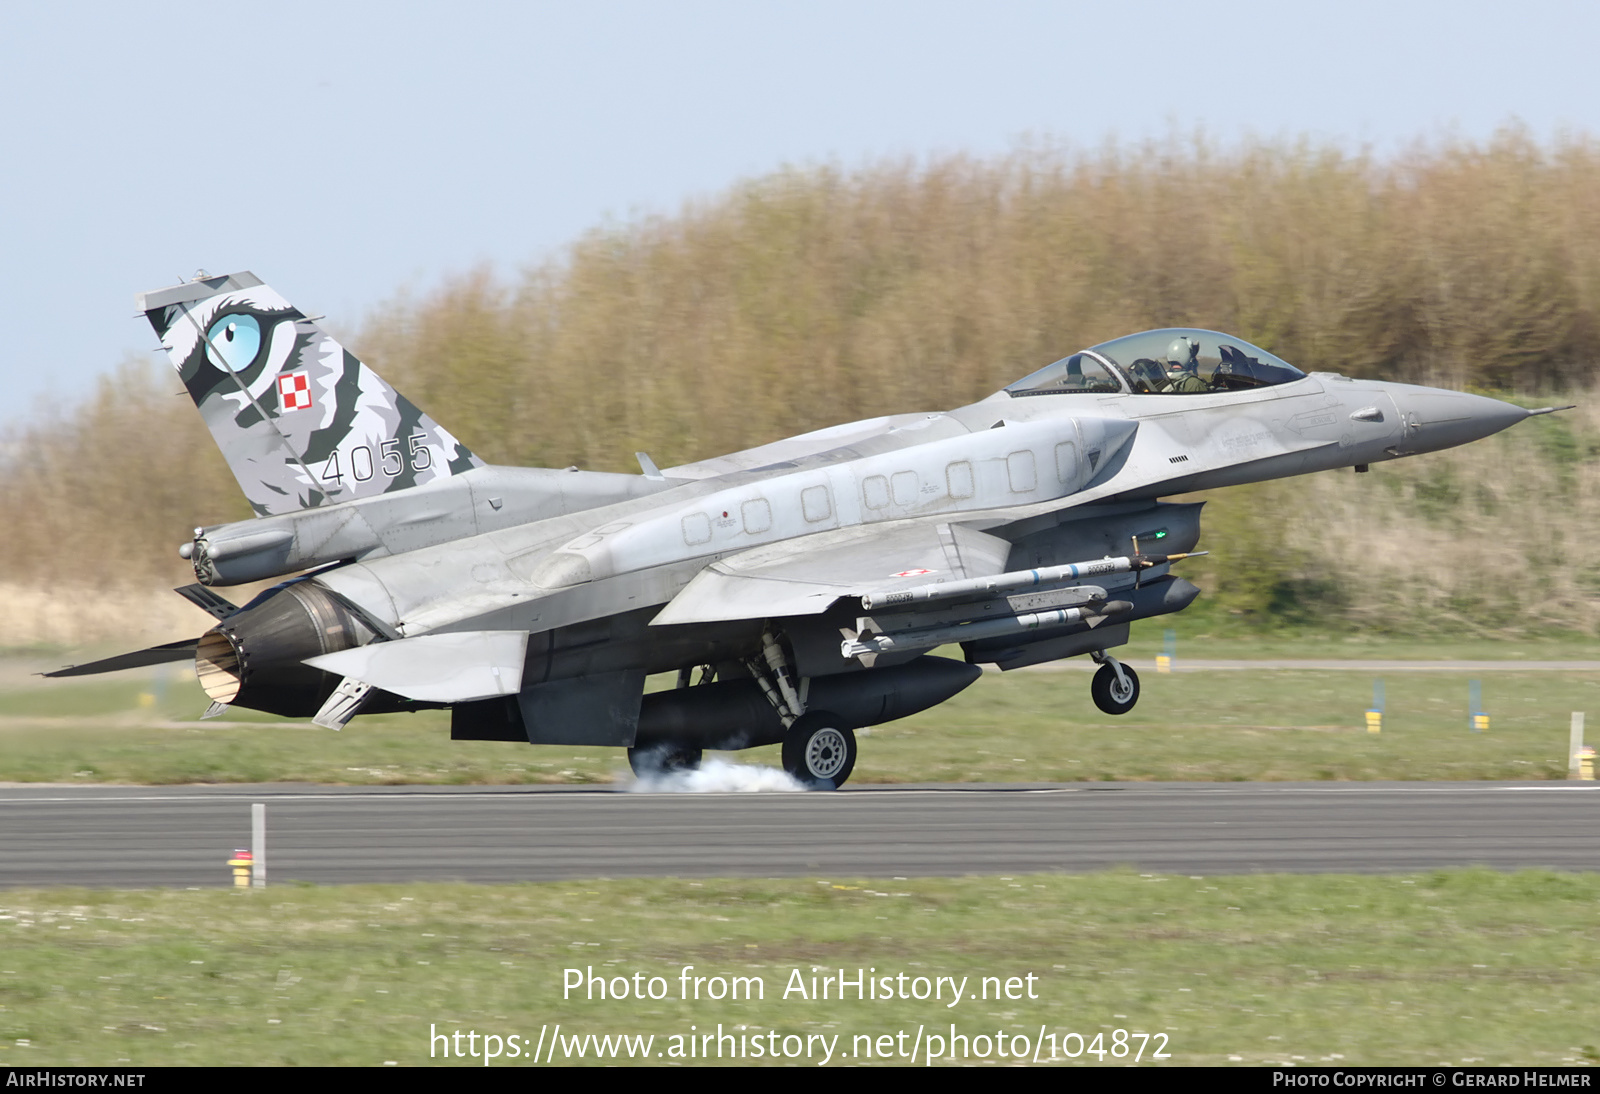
{"x": 182, "y": 836}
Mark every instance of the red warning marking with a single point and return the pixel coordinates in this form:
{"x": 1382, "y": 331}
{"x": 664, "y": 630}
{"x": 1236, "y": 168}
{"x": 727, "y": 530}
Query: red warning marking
{"x": 294, "y": 391}
{"x": 911, "y": 573}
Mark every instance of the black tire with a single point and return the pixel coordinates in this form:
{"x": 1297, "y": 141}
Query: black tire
{"x": 651, "y": 761}
{"x": 818, "y": 751}
{"x": 1108, "y": 696}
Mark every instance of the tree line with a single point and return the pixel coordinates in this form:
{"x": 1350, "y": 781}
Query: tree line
{"x": 816, "y": 295}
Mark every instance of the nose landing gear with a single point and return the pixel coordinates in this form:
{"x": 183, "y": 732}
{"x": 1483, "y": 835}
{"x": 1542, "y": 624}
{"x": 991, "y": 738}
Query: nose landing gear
{"x": 1115, "y": 688}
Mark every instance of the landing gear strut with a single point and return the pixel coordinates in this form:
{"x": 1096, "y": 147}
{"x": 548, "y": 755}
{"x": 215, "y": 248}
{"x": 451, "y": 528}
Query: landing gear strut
{"x": 1115, "y": 688}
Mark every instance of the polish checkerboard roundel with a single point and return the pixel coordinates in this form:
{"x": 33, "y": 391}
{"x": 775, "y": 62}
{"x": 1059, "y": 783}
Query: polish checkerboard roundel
{"x": 294, "y": 391}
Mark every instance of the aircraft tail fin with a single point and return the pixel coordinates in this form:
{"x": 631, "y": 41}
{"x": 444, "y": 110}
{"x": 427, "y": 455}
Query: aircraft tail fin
{"x": 301, "y": 422}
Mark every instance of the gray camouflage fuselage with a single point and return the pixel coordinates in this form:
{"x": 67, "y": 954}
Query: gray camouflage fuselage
{"x": 990, "y": 466}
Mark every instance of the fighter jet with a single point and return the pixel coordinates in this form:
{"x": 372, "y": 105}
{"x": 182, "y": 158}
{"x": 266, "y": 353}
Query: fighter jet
{"x": 796, "y": 589}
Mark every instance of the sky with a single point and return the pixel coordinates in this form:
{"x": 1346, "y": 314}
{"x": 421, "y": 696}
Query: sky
{"x": 346, "y": 152}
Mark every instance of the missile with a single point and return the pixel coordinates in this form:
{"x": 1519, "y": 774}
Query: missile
{"x": 1019, "y": 579}
{"x": 927, "y": 638}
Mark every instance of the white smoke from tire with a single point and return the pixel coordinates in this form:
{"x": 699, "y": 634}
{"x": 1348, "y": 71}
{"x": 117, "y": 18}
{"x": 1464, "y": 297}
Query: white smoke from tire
{"x": 718, "y": 777}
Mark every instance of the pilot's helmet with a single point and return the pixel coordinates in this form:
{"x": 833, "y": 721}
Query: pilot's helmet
{"x": 1182, "y": 354}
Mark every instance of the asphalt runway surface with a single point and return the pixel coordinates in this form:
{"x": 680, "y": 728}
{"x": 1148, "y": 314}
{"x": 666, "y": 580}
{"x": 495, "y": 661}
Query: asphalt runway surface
{"x": 141, "y": 837}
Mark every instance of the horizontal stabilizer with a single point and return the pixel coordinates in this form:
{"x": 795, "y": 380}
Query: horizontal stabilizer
{"x": 155, "y": 655}
{"x": 436, "y": 668}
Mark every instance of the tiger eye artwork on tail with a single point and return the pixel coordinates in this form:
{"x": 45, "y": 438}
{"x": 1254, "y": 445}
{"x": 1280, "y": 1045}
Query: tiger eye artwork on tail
{"x": 301, "y": 422}
{"x": 796, "y": 589}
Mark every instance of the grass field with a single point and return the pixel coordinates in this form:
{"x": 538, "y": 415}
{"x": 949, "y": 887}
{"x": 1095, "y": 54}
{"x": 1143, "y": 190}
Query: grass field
{"x": 1458, "y": 966}
{"x": 1278, "y": 724}
{"x": 1461, "y": 967}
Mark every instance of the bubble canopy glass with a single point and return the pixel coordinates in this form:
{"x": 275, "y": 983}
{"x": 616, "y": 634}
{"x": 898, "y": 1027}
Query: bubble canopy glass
{"x": 1170, "y": 361}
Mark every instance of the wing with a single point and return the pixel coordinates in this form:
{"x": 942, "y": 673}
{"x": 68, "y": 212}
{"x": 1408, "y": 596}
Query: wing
{"x": 804, "y": 576}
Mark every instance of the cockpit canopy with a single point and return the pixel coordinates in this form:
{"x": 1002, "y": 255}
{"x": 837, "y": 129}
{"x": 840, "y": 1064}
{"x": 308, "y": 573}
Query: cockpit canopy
{"x": 1170, "y": 361}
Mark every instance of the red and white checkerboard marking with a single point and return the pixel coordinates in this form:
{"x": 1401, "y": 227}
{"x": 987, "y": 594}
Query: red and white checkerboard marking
{"x": 294, "y": 391}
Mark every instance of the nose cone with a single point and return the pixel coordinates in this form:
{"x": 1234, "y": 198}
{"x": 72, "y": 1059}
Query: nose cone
{"x": 1435, "y": 418}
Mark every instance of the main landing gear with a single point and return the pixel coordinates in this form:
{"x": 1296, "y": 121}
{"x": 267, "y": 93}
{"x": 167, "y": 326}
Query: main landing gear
{"x": 653, "y": 761}
{"x": 818, "y": 751}
{"x": 1115, "y": 688}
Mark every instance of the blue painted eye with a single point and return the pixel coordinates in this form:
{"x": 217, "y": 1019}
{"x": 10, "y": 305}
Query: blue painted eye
{"x": 233, "y": 341}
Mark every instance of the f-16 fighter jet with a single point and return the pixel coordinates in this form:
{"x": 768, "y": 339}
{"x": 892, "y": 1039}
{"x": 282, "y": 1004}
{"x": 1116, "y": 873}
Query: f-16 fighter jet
{"x": 796, "y": 588}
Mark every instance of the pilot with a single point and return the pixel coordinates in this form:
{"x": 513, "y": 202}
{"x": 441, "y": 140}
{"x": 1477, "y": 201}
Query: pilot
{"x": 1183, "y": 368}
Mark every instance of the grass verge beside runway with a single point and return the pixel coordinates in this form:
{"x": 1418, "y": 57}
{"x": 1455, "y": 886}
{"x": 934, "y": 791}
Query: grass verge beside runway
{"x": 1459, "y": 966}
{"x": 1272, "y": 724}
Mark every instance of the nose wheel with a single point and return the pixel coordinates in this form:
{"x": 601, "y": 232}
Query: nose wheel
{"x": 1115, "y": 688}
{"x": 818, "y": 751}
